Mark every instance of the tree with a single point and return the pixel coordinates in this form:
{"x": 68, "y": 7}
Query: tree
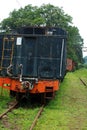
{"x": 47, "y": 15}
{"x": 75, "y": 43}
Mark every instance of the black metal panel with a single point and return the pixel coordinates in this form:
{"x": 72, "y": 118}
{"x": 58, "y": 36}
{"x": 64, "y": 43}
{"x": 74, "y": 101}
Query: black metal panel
{"x": 48, "y": 56}
{"x": 29, "y": 52}
{"x": 41, "y": 56}
{"x": 42, "y": 31}
{"x": 31, "y": 30}
{"x": 1, "y": 45}
{"x": 56, "y": 31}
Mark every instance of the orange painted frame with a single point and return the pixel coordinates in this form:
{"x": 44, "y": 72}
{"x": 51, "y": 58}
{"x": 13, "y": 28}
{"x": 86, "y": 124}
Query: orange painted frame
{"x": 42, "y": 84}
{"x": 15, "y": 85}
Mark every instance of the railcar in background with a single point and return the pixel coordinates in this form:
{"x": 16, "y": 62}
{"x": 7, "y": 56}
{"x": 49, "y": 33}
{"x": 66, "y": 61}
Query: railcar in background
{"x": 70, "y": 65}
{"x": 33, "y": 61}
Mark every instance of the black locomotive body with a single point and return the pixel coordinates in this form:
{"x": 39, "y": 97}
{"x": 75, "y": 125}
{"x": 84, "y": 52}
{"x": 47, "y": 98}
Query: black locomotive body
{"x": 33, "y": 54}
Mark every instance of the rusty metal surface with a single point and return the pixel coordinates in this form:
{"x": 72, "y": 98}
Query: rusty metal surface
{"x": 83, "y": 82}
{"x": 37, "y": 116}
{"x": 8, "y": 110}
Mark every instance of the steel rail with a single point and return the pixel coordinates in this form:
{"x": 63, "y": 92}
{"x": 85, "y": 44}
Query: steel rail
{"x": 8, "y": 110}
{"x": 37, "y": 116}
{"x": 83, "y": 82}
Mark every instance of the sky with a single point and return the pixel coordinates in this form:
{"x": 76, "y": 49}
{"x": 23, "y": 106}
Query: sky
{"x": 77, "y": 9}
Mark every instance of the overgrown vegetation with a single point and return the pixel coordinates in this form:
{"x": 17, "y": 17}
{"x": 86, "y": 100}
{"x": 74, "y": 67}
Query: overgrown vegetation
{"x": 4, "y": 99}
{"x": 68, "y": 110}
{"x": 47, "y": 15}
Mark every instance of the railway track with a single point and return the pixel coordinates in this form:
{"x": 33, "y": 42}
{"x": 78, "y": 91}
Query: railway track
{"x": 14, "y": 104}
{"x": 83, "y": 82}
{"x": 37, "y": 116}
{"x": 9, "y": 109}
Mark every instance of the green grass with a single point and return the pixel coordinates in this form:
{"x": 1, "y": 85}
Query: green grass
{"x": 22, "y": 118}
{"x": 19, "y": 119}
{"x": 68, "y": 111}
{"x": 4, "y": 99}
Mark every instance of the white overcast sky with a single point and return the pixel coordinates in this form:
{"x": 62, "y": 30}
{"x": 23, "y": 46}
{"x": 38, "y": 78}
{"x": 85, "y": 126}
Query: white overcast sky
{"x": 77, "y": 9}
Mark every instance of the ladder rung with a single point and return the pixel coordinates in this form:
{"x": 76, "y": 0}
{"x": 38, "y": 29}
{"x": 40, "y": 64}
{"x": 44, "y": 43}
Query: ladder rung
{"x": 49, "y": 89}
{"x": 5, "y": 67}
{"x": 49, "y": 92}
{"x": 8, "y": 39}
{"x": 8, "y": 49}
{"x": 6, "y": 58}
{"x": 5, "y": 38}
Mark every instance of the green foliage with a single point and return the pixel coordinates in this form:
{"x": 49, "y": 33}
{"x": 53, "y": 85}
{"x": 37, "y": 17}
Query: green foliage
{"x": 75, "y": 43}
{"x": 84, "y": 65}
{"x": 47, "y": 15}
{"x": 4, "y": 99}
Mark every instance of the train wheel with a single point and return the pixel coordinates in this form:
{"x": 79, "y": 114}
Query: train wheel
{"x": 18, "y": 96}
{"x": 12, "y": 93}
{"x": 43, "y": 99}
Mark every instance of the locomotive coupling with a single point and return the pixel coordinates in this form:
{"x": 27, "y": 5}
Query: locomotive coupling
{"x": 9, "y": 70}
{"x": 26, "y": 85}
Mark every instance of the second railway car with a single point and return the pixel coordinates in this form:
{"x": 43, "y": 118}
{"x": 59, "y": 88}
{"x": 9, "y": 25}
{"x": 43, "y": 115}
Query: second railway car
{"x": 70, "y": 65}
{"x": 33, "y": 60}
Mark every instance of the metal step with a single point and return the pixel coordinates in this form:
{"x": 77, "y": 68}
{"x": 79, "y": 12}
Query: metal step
{"x": 49, "y": 93}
